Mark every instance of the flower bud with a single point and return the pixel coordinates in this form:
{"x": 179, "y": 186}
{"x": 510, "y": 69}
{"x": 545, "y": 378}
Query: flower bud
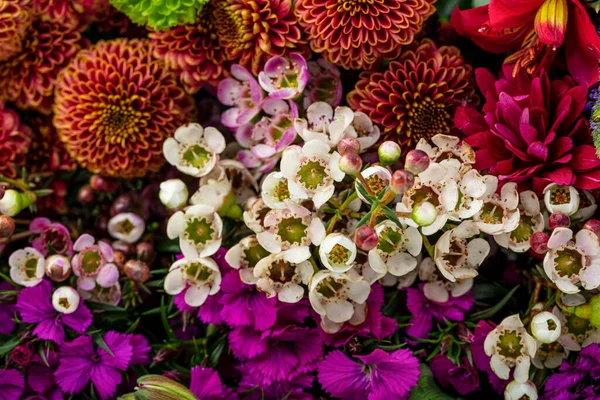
{"x": 539, "y": 242}
{"x": 145, "y": 252}
{"x": 389, "y": 152}
{"x": 128, "y": 202}
{"x": 128, "y": 227}
{"x": 424, "y": 213}
{"x": 546, "y": 327}
{"x": 103, "y": 184}
{"x": 348, "y": 144}
{"x": 351, "y": 164}
{"x": 593, "y": 225}
{"x": 160, "y": 387}
{"x": 557, "y": 220}
{"x": 402, "y": 181}
{"x": 119, "y": 259}
{"x": 137, "y": 271}
{"x": 173, "y": 193}
{"x": 86, "y": 195}
{"x": 416, "y": 161}
{"x": 57, "y": 268}
{"x": 563, "y": 199}
{"x": 7, "y": 226}
{"x": 14, "y": 202}
{"x": 518, "y": 391}
{"x": 21, "y": 355}
{"x": 365, "y": 238}
{"x": 65, "y": 299}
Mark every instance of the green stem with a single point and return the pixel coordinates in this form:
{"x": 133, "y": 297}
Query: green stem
{"x": 18, "y": 184}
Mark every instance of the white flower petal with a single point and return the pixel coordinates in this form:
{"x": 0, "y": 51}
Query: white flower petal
{"x": 499, "y": 368}
{"x": 477, "y": 250}
{"x": 339, "y": 311}
{"x": 196, "y": 295}
{"x": 291, "y": 293}
{"x": 214, "y": 140}
{"x": 290, "y": 161}
{"x": 175, "y": 281}
{"x": 522, "y": 370}
{"x": 189, "y": 133}
{"x": 560, "y": 236}
{"x": 436, "y": 291}
{"x": 588, "y": 242}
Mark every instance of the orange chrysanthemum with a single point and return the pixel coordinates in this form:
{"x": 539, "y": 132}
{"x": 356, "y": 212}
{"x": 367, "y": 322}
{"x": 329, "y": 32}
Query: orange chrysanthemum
{"x": 193, "y": 52}
{"x": 15, "y": 18}
{"x": 15, "y": 138}
{"x": 417, "y": 94}
{"x": 356, "y": 34}
{"x": 115, "y": 105}
{"x": 252, "y": 31}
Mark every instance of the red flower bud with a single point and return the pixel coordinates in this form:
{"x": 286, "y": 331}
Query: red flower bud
{"x": 539, "y": 242}
{"x": 348, "y": 144}
{"x": 86, "y": 195}
{"x": 366, "y": 238}
{"x": 350, "y": 164}
{"x": 402, "y": 181}
{"x": 416, "y": 161}
{"x": 558, "y": 220}
{"x": 103, "y": 184}
{"x": 137, "y": 271}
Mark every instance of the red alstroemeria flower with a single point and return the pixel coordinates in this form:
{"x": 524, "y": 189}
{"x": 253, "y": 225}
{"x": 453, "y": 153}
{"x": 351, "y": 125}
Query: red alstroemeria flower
{"x": 533, "y": 30}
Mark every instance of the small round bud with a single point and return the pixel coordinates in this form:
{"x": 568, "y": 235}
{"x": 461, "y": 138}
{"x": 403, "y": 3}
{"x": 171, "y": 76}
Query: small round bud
{"x": 7, "y": 226}
{"x": 558, "y": 220}
{"x": 128, "y": 227}
{"x": 103, "y": 184}
{"x": 173, "y": 193}
{"x": 57, "y": 267}
{"x": 86, "y": 195}
{"x": 119, "y": 259}
{"x": 13, "y": 202}
{"x": 65, "y": 300}
{"x": 122, "y": 204}
{"x": 351, "y": 164}
{"x": 366, "y": 238}
{"x": 593, "y": 225}
{"x": 348, "y": 144}
{"x": 145, "y": 252}
{"x": 416, "y": 161}
{"x": 424, "y": 213}
{"x": 519, "y": 391}
{"x": 402, "y": 181}
{"x": 389, "y": 152}
{"x": 137, "y": 271}
{"x": 539, "y": 242}
{"x": 546, "y": 327}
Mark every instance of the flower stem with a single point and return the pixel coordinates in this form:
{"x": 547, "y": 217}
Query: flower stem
{"x": 16, "y": 236}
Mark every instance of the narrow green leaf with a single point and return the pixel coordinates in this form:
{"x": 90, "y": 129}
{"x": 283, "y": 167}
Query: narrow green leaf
{"x": 364, "y": 219}
{"x": 392, "y": 215}
{"x": 427, "y": 388}
{"x": 10, "y": 344}
{"x": 99, "y": 340}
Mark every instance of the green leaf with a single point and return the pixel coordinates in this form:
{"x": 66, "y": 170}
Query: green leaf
{"x": 169, "y": 245}
{"x": 364, "y": 219}
{"x": 392, "y": 215}
{"x": 10, "y": 344}
{"x": 494, "y": 309}
{"x": 364, "y": 193}
{"x": 427, "y": 388}
{"x": 165, "y": 320}
{"x": 215, "y": 355}
{"x": 133, "y": 326}
{"x": 99, "y": 340}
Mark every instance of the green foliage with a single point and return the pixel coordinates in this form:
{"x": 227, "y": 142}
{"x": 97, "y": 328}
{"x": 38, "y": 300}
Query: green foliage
{"x": 426, "y": 388}
{"x": 160, "y": 14}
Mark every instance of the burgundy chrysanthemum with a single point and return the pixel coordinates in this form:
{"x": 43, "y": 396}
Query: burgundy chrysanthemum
{"x": 115, "y": 105}
{"x": 76, "y": 14}
{"x": 15, "y": 18}
{"x": 252, "y": 31}
{"x": 357, "y": 34}
{"x": 28, "y": 77}
{"x": 532, "y": 131}
{"x": 47, "y": 152}
{"x": 193, "y": 52}
{"x": 15, "y": 138}
{"x": 417, "y": 94}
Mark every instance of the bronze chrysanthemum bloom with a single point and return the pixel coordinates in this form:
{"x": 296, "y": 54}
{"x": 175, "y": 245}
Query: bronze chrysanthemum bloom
{"x": 252, "y": 31}
{"x": 193, "y": 52}
{"x": 15, "y": 139}
{"x": 416, "y": 95}
{"x": 358, "y": 33}
{"x": 15, "y": 18}
{"x": 28, "y": 77}
{"x": 115, "y": 104}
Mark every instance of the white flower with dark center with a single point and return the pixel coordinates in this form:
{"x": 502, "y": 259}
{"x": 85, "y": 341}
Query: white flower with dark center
{"x": 337, "y": 252}
{"x": 65, "y": 300}
{"x": 458, "y": 253}
{"x": 244, "y": 256}
{"x": 397, "y": 249}
{"x": 311, "y": 171}
{"x": 510, "y": 346}
{"x": 448, "y": 148}
{"x": 576, "y": 332}
{"x": 27, "y": 266}
{"x": 520, "y": 391}
{"x": 333, "y": 295}
{"x": 293, "y": 230}
{"x": 128, "y": 227}
{"x": 378, "y": 178}
{"x": 531, "y": 221}
{"x": 194, "y": 150}
{"x": 274, "y": 190}
{"x": 363, "y": 129}
{"x": 199, "y": 230}
{"x": 545, "y": 327}
{"x": 569, "y": 263}
{"x": 499, "y": 213}
{"x": 199, "y": 277}
{"x": 564, "y": 199}
{"x": 281, "y": 278}
{"x": 214, "y": 189}
{"x": 587, "y": 206}
{"x": 322, "y": 124}
{"x": 437, "y": 287}
{"x": 254, "y": 214}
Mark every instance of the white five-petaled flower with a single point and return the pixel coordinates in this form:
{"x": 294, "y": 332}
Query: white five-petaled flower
{"x": 128, "y": 227}
{"x": 322, "y": 124}
{"x": 520, "y": 390}
{"x": 278, "y": 277}
{"x": 437, "y": 287}
{"x": 292, "y": 229}
{"x": 65, "y": 300}
{"x": 199, "y": 277}
{"x": 244, "y": 256}
{"x": 576, "y": 332}
{"x": 564, "y": 199}
{"x": 378, "y": 179}
{"x": 569, "y": 263}
{"x": 194, "y": 150}
{"x": 213, "y": 190}
{"x": 458, "y": 255}
{"x": 274, "y": 190}
{"x": 363, "y": 129}
{"x": 255, "y": 211}
{"x": 499, "y": 213}
{"x": 587, "y": 206}
{"x": 531, "y": 221}
{"x": 397, "y": 249}
{"x": 448, "y": 148}
{"x": 26, "y": 266}
{"x": 337, "y": 252}
{"x": 471, "y": 188}
{"x": 510, "y": 346}
{"x": 199, "y": 230}
{"x": 311, "y": 171}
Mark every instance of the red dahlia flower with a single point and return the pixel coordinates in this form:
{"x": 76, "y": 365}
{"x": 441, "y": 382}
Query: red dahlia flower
{"x": 532, "y": 30}
{"x": 531, "y": 131}
{"x": 356, "y": 34}
{"x": 15, "y": 138}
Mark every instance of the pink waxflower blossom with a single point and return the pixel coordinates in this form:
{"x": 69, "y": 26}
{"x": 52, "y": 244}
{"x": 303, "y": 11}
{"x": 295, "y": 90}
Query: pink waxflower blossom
{"x": 243, "y": 93}
{"x": 284, "y": 78}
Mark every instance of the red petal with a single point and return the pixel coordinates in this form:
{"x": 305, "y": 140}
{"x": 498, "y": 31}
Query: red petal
{"x": 582, "y": 46}
{"x": 512, "y": 13}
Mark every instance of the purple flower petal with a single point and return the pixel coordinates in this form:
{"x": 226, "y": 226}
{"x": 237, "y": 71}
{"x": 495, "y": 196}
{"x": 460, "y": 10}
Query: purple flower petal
{"x": 120, "y": 345}
{"x": 79, "y": 320}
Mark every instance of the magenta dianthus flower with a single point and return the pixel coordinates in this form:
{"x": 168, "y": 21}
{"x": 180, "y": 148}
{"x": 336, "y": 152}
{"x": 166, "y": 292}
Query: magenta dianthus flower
{"x": 463, "y": 378}
{"x": 12, "y": 384}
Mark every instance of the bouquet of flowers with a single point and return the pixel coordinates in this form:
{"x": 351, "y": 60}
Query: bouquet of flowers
{"x": 299, "y": 199}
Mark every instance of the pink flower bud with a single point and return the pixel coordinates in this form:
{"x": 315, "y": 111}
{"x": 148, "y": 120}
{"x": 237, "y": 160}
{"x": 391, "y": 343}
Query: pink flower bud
{"x": 366, "y": 238}
{"x": 402, "y": 181}
{"x": 416, "y": 161}
{"x": 103, "y": 184}
{"x": 593, "y": 225}
{"x": 539, "y": 242}
{"x": 558, "y": 220}
{"x": 348, "y": 144}
{"x": 137, "y": 271}
{"x": 57, "y": 267}
{"x": 350, "y": 164}
{"x": 389, "y": 152}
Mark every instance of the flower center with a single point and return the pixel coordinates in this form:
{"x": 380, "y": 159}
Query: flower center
{"x": 90, "y": 261}
{"x": 524, "y": 230}
{"x": 454, "y": 257}
{"x": 568, "y": 262}
{"x": 313, "y": 174}
{"x": 234, "y": 24}
{"x": 330, "y": 287}
{"x": 116, "y": 122}
{"x": 549, "y": 349}
{"x": 286, "y": 77}
{"x": 389, "y": 239}
{"x": 281, "y": 191}
{"x": 198, "y": 272}
{"x": 426, "y": 119}
{"x": 64, "y": 302}
{"x": 199, "y": 230}
{"x": 577, "y": 326}
{"x": 292, "y": 230}
{"x": 254, "y": 254}
{"x": 125, "y": 226}
{"x": 196, "y": 156}
{"x": 560, "y": 195}
{"x": 510, "y": 344}
{"x": 338, "y": 255}
{"x": 425, "y": 193}
{"x": 377, "y": 184}
{"x": 491, "y": 213}
{"x": 281, "y": 271}
{"x": 31, "y": 267}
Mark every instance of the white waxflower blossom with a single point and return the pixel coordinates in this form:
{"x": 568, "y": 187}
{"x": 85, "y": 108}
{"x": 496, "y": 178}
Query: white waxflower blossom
{"x": 520, "y": 391}
{"x": 281, "y": 278}
{"x": 274, "y": 190}
{"x": 200, "y": 277}
{"x": 27, "y": 266}
{"x": 363, "y": 129}
{"x": 323, "y": 124}
{"x": 397, "y": 249}
{"x": 255, "y": 211}
{"x": 576, "y": 332}
{"x": 244, "y": 256}
{"x": 531, "y": 221}
{"x": 499, "y": 213}
{"x": 194, "y": 150}
{"x": 65, "y": 300}
{"x": 128, "y": 227}
{"x": 437, "y": 287}
{"x": 510, "y": 346}
{"x": 546, "y": 327}
{"x": 378, "y": 178}
{"x": 564, "y": 199}
{"x": 214, "y": 189}
{"x": 199, "y": 229}
{"x": 587, "y": 206}
{"x": 173, "y": 193}
{"x": 448, "y": 148}
{"x": 337, "y": 252}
